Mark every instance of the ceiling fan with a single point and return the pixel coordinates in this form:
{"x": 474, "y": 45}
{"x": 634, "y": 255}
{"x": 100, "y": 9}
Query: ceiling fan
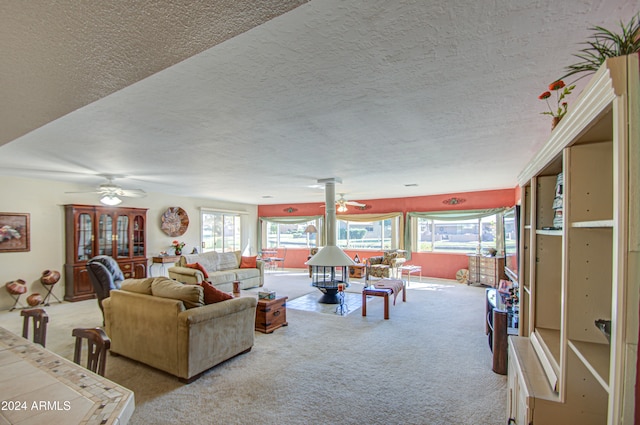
{"x": 111, "y": 193}
{"x": 342, "y": 203}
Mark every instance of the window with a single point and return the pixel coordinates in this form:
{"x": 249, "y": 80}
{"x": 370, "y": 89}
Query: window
{"x": 464, "y": 236}
{"x": 220, "y": 231}
{"x": 357, "y": 231}
{"x": 290, "y": 235}
{"x": 377, "y": 234}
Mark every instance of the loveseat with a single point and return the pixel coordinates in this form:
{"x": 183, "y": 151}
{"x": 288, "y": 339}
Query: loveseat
{"x": 165, "y": 324}
{"x": 220, "y": 269}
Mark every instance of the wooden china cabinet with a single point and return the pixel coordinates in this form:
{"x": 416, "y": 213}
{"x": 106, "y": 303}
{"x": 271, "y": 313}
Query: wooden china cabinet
{"x": 96, "y": 230}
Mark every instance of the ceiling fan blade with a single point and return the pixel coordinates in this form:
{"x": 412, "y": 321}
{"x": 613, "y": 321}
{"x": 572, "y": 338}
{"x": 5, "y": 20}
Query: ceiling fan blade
{"x": 85, "y": 191}
{"x": 355, "y": 204}
{"x": 132, "y": 193}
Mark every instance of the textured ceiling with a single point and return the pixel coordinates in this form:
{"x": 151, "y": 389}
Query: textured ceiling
{"x": 253, "y": 101}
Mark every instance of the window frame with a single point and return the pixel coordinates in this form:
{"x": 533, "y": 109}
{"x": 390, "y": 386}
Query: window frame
{"x": 238, "y": 224}
{"x": 264, "y": 223}
{"x": 394, "y": 238}
{"x": 310, "y": 242}
{"x": 435, "y": 218}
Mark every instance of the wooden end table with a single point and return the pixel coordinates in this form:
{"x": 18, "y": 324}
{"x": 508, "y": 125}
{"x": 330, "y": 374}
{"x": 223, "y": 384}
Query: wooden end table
{"x": 357, "y": 271}
{"x": 271, "y": 314}
{"x": 162, "y": 260}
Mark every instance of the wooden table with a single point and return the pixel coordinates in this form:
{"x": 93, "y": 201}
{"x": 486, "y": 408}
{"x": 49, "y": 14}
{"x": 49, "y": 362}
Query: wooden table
{"x": 380, "y": 292}
{"x": 357, "y": 271}
{"x": 162, "y": 260}
{"x": 38, "y": 386}
{"x": 271, "y": 314}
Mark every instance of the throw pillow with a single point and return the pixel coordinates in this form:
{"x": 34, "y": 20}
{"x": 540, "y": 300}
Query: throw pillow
{"x": 200, "y": 267}
{"x": 212, "y": 294}
{"x": 190, "y": 295}
{"x": 248, "y": 262}
{"x": 141, "y": 286}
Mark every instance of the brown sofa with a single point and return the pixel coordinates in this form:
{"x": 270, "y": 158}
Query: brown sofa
{"x": 165, "y": 324}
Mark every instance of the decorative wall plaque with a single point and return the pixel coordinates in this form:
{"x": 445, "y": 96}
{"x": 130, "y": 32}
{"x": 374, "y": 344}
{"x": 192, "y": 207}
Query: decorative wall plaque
{"x": 175, "y": 221}
{"x": 454, "y": 201}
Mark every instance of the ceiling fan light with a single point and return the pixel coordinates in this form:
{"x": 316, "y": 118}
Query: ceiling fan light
{"x": 110, "y": 200}
{"x": 342, "y": 208}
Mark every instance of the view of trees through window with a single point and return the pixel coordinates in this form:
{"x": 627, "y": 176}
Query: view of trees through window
{"x": 220, "y": 232}
{"x": 461, "y": 236}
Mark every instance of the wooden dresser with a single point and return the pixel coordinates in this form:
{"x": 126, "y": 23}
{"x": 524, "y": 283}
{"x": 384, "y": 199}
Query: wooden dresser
{"x": 271, "y": 314}
{"x": 486, "y": 270}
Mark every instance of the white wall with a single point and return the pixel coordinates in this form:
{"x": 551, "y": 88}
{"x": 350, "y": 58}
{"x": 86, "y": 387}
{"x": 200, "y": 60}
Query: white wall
{"x": 45, "y": 200}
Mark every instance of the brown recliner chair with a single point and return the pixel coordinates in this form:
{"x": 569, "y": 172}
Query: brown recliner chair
{"x": 105, "y": 275}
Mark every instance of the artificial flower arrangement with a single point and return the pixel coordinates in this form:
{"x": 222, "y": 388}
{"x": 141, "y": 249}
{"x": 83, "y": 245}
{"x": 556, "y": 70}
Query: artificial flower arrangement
{"x": 601, "y": 45}
{"x": 562, "y": 91}
{"x": 178, "y": 246}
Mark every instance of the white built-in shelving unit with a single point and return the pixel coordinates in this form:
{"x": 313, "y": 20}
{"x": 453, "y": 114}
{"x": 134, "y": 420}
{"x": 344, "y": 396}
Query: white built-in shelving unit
{"x": 562, "y": 368}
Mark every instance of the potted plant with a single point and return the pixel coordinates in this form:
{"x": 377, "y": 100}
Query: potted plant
{"x": 604, "y": 44}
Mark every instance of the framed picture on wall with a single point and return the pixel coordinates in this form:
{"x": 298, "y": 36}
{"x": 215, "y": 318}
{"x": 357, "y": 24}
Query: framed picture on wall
{"x": 14, "y": 232}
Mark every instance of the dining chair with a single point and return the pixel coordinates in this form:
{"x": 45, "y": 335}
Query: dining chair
{"x": 98, "y": 344}
{"x": 266, "y": 255}
{"x": 40, "y": 318}
{"x": 280, "y": 260}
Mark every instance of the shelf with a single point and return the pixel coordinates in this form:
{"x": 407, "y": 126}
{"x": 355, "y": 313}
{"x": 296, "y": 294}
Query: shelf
{"x": 595, "y": 358}
{"x": 533, "y": 374}
{"x": 546, "y": 343}
{"x": 549, "y": 232}
{"x": 588, "y": 269}
{"x": 551, "y": 339}
{"x": 595, "y": 224}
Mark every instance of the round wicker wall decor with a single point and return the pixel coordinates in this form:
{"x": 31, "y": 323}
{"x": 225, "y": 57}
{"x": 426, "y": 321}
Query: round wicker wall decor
{"x": 175, "y": 221}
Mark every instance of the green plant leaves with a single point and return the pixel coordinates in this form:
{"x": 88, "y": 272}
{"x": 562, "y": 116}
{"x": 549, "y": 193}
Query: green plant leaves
{"x": 606, "y": 44}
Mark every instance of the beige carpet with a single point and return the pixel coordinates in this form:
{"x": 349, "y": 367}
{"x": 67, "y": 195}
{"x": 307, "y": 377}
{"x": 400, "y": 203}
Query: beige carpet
{"x": 429, "y": 364}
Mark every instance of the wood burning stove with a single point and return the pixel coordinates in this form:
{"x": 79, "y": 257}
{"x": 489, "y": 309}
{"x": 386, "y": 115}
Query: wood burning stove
{"x": 330, "y": 265}
{"x": 327, "y": 279}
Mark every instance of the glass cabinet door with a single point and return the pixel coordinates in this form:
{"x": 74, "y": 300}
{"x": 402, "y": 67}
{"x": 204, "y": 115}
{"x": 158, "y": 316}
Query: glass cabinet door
{"x": 84, "y": 236}
{"x": 105, "y": 235}
{"x": 122, "y": 236}
{"x": 138, "y": 236}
